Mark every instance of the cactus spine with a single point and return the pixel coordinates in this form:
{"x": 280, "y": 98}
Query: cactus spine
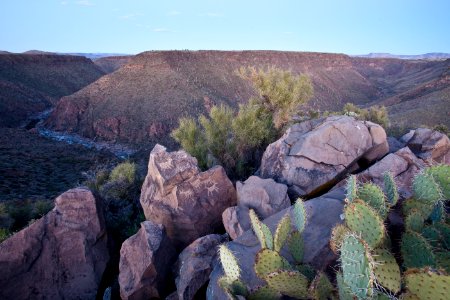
{"x": 351, "y": 189}
{"x": 390, "y": 188}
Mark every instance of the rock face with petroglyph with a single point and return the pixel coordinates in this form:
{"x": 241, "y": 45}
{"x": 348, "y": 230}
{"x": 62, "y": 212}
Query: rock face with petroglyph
{"x": 314, "y": 155}
{"x": 189, "y": 203}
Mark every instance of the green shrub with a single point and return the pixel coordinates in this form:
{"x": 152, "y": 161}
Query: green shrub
{"x": 4, "y": 234}
{"x": 442, "y": 128}
{"x": 41, "y": 207}
{"x": 124, "y": 172}
{"x": 376, "y": 114}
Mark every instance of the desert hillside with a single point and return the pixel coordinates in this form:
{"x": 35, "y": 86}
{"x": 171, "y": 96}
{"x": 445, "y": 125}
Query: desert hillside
{"x": 31, "y": 83}
{"x": 143, "y": 100}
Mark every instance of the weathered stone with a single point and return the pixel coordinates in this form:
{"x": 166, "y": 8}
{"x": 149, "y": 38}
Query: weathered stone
{"x": 145, "y": 260}
{"x": 195, "y": 265}
{"x": 312, "y": 156}
{"x": 189, "y": 203}
{"x": 60, "y": 256}
{"x": 231, "y": 223}
{"x": 323, "y": 214}
{"x": 394, "y": 144}
{"x": 430, "y": 145}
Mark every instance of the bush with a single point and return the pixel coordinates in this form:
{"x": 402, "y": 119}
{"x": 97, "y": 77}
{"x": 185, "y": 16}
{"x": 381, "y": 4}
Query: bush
{"x": 124, "y": 172}
{"x": 376, "y": 114}
{"x": 4, "y": 234}
{"x": 442, "y": 128}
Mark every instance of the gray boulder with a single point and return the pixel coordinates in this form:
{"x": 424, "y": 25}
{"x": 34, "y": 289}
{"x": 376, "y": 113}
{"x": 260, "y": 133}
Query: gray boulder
{"x": 314, "y": 155}
{"x": 430, "y": 145}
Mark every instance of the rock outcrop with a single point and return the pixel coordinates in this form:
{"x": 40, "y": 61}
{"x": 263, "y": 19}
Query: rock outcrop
{"x": 314, "y": 155}
{"x": 189, "y": 203}
{"x": 323, "y": 214}
{"x": 145, "y": 260}
{"x": 61, "y": 256}
{"x": 195, "y": 264}
{"x": 265, "y": 196}
{"x": 428, "y": 144}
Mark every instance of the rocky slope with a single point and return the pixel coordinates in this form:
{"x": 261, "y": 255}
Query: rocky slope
{"x": 143, "y": 100}
{"x": 31, "y": 83}
{"x": 110, "y": 64}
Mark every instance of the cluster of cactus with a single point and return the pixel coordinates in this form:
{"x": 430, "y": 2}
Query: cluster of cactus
{"x": 296, "y": 280}
{"x": 368, "y": 268}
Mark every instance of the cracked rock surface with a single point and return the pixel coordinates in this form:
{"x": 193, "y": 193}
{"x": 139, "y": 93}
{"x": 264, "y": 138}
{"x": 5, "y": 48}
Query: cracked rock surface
{"x": 60, "y": 256}
{"x": 314, "y": 155}
{"x": 189, "y": 203}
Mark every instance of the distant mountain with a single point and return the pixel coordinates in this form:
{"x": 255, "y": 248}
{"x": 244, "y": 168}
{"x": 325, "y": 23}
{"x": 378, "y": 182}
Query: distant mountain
{"x": 111, "y": 63}
{"x": 426, "y": 56}
{"x": 31, "y": 83}
{"x": 142, "y": 101}
{"x": 95, "y": 56}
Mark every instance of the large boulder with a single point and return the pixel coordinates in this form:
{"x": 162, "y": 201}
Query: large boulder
{"x": 265, "y": 196}
{"x": 189, "y": 203}
{"x": 145, "y": 260}
{"x": 314, "y": 155}
{"x": 429, "y": 145}
{"x": 61, "y": 256}
{"x": 323, "y": 214}
{"x": 195, "y": 265}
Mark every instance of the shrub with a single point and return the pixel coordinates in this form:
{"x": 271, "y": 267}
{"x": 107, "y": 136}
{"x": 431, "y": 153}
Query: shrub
{"x": 4, "y": 234}
{"x": 124, "y": 172}
{"x": 442, "y": 128}
{"x": 41, "y": 207}
{"x": 376, "y": 114}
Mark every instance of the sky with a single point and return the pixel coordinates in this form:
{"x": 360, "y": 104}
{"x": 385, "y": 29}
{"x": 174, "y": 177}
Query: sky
{"x": 133, "y": 26}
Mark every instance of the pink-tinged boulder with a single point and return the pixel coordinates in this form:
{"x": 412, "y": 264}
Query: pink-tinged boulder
{"x": 195, "y": 264}
{"x": 61, "y": 256}
{"x": 323, "y": 214}
{"x": 189, "y": 203}
{"x": 430, "y": 145}
{"x": 314, "y": 155}
{"x": 265, "y": 196}
{"x": 145, "y": 261}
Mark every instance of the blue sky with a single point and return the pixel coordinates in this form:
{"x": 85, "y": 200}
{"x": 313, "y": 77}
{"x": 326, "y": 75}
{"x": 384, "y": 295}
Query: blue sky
{"x": 132, "y": 26}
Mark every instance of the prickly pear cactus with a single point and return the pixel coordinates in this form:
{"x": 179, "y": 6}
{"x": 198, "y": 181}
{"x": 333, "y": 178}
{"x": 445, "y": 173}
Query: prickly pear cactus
{"x": 414, "y": 221}
{"x": 426, "y": 188}
{"x": 268, "y": 261}
{"x": 438, "y": 213}
{"x": 386, "y": 270}
{"x": 337, "y": 236}
{"x": 416, "y": 251}
{"x": 261, "y": 230}
{"x": 299, "y": 216}
{"x": 444, "y": 230}
{"x": 427, "y": 284}
{"x": 441, "y": 175}
{"x": 264, "y": 293}
{"x": 229, "y": 263}
{"x": 364, "y": 220}
{"x": 432, "y": 235}
{"x": 443, "y": 260}
{"x": 281, "y": 233}
{"x": 289, "y": 283}
{"x": 232, "y": 288}
{"x": 321, "y": 287}
{"x": 306, "y": 270}
{"x": 390, "y": 189}
{"x": 357, "y": 266}
{"x": 343, "y": 290}
{"x": 351, "y": 189}
{"x": 267, "y": 235}
{"x": 373, "y": 195}
{"x": 296, "y": 247}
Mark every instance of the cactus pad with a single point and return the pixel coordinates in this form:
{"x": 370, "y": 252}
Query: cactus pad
{"x": 267, "y": 235}
{"x": 414, "y": 221}
{"x": 351, "y": 189}
{"x": 343, "y": 289}
{"x": 337, "y": 236}
{"x": 438, "y": 213}
{"x": 424, "y": 208}
{"x": 268, "y": 261}
{"x": 443, "y": 260}
{"x": 264, "y": 293}
{"x": 281, "y": 233}
{"x": 427, "y": 284}
{"x": 386, "y": 270}
{"x": 363, "y": 220}
{"x": 444, "y": 230}
{"x": 441, "y": 175}
{"x": 229, "y": 263}
{"x": 373, "y": 195}
{"x": 321, "y": 287}
{"x": 299, "y": 215}
{"x": 390, "y": 188}
{"x": 289, "y": 283}
{"x": 296, "y": 247}
{"x": 356, "y": 264}
{"x": 306, "y": 270}
{"x": 432, "y": 235}
{"x": 261, "y": 230}
{"x": 426, "y": 188}
{"x": 416, "y": 251}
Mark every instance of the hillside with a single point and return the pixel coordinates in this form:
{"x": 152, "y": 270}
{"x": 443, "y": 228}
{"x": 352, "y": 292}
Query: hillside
{"x": 427, "y": 56}
{"x": 31, "y": 83}
{"x": 110, "y": 64}
{"x": 143, "y": 100}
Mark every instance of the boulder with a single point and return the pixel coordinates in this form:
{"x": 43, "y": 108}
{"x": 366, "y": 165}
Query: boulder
{"x": 403, "y": 165}
{"x": 189, "y": 203}
{"x": 265, "y": 196}
{"x": 394, "y": 144}
{"x": 323, "y": 214}
{"x": 195, "y": 265}
{"x": 145, "y": 260}
{"x": 314, "y": 155}
{"x": 430, "y": 145}
{"x": 61, "y": 256}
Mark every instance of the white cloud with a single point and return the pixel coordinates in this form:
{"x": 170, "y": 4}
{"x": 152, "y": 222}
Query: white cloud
{"x": 130, "y": 16}
{"x": 211, "y": 15}
{"x": 85, "y": 3}
{"x": 174, "y": 13}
